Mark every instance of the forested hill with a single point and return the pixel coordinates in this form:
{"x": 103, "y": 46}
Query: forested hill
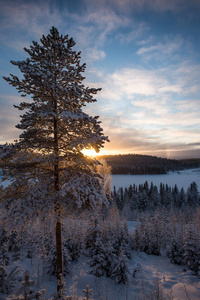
{"x": 146, "y": 164}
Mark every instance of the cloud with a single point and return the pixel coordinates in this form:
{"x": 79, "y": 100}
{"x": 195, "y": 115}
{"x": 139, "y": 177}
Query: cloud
{"x": 130, "y": 140}
{"x": 90, "y": 28}
{"x": 168, "y": 51}
{"x": 96, "y": 28}
{"x": 182, "y": 80}
{"x": 164, "y": 48}
{"x": 129, "y": 82}
{"x": 10, "y": 117}
{"x": 148, "y": 109}
{"x": 94, "y": 54}
{"x": 155, "y": 5}
{"x": 15, "y": 15}
{"x": 133, "y": 35}
{"x": 151, "y": 96}
{"x": 31, "y": 18}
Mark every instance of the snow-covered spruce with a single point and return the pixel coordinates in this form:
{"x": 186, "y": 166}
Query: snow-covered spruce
{"x": 176, "y": 253}
{"x": 192, "y": 250}
{"x": 120, "y": 270}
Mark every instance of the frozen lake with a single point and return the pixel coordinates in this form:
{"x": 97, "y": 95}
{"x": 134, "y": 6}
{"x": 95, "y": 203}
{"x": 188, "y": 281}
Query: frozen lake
{"x": 181, "y": 179}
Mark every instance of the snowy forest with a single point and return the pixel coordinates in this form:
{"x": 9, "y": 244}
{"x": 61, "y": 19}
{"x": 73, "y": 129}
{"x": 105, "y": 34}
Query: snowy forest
{"x": 102, "y": 239}
{"x": 64, "y": 233}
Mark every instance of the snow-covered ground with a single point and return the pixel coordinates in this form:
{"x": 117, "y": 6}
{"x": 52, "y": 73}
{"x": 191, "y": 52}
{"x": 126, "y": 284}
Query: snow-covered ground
{"x": 146, "y": 272}
{"x": 172, "y": 279}
{"x": 181, "y": 179}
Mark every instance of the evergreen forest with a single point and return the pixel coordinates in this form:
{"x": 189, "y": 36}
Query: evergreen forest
{"x": 146, "y": 164}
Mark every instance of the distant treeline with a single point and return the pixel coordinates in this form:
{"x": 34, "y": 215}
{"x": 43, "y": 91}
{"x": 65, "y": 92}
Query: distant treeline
{"x": 145, "y": 164}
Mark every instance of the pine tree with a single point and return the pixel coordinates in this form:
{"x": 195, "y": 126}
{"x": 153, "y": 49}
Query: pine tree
{"x": 182, "y": 198}
{"x": 122, "y": 239}
{"x": 193, "y": 195}
{"x": 169, "y": 200}
{"x": 120, "y": 270}
{"x": 98, "y": 258}
{"x": 175, "y": 194}
{"x": 110, "y": 257}
{"x": 47, "y": 163}
{"x": 192, "y": 250}
{"x": 176, "y": 253}
{"x": 120, "y": 198}
{"x": 73, "y": 240}
{"x": 162, "y": 193}
{"x": 93, "y": 232}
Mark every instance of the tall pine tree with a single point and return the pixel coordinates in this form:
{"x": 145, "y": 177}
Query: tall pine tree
{"x": 47, "y": 163}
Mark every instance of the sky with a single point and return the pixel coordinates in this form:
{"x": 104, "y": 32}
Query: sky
{"x": 144, "y": 54}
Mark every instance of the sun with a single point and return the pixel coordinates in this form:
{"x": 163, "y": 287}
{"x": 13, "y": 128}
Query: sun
{"x": 89, "y": 152}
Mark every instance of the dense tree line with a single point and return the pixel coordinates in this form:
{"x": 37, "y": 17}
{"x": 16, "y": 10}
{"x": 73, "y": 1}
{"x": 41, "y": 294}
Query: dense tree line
{"x": 146, "y": 164}
{"x": 145, "y": 197}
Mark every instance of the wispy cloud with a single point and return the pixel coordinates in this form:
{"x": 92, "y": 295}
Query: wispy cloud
{"x": 9, "y": 118}
{"x": 166, "y": 48}
{"x": 96, "y": 29}
{"x": 95, "y": 54}
{"x": 168, "y": 51}
{"x": 131, "y": 82}
{"x": 144, "y": 112}
{"x": 156, "y": 5}
{"x": 27, "y": 17}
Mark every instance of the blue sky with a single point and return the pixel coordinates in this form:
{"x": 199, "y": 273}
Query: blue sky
{"x": 144, "y": 54}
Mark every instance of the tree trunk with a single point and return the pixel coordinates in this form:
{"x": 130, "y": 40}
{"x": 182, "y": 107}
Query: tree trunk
{"x": 59, "y": 257}
{"x": 59, "y": 254}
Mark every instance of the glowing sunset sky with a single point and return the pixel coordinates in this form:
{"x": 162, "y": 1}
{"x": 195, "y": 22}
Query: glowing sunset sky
{"x": 144, "y": 54}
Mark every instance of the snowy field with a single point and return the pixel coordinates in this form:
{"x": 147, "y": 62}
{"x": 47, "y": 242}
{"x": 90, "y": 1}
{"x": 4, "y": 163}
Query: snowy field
{"x": 181, "y": 179}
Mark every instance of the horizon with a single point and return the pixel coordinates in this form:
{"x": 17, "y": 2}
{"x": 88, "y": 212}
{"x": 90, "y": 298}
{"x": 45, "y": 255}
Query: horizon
{"x": 100, "y": 154}
{"x": 143, "y": 54}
